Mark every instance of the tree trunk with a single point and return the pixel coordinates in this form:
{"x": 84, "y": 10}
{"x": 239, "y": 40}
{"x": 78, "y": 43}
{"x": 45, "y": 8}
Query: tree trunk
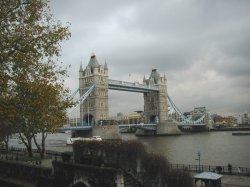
{"x": 37, "y": 146}
{"x": 27, "y": 143}
{"x": 41, "y": 149}
{"x": 43, "y": 144}
{"x": 42, "y": 152}
{"x": 6, "y": 142}
{"x": 29, "y": 148}
{"x": 7, "y": 146}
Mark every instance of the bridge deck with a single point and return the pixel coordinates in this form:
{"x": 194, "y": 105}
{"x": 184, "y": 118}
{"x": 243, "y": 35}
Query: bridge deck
{"x": 138, "y": 125}
{"x": 79, "y": 128}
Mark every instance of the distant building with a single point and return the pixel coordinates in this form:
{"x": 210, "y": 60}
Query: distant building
{"x": 132, "y": 118}
{"x": 243, "y": 119}
{"x": 224, "y": 121}
{"x": 239, "y": 119}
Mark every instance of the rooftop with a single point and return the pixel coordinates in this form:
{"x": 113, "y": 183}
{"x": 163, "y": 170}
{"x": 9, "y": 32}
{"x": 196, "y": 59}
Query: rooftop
{"x": 208, "y": 175}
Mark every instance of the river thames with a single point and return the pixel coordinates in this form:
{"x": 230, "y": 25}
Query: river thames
{"x": 216, "y": 148}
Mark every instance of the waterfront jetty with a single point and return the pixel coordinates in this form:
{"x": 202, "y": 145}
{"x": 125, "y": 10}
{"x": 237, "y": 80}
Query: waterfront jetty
{"x": 240, "y": 133}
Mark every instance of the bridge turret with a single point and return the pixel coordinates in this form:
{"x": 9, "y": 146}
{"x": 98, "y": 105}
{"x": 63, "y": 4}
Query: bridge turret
{"x": 155, "y": 104}
{"x": 80, "y": 74}
{"x": 96, "y": 106}
{"x": 154, "y": 76}
{"x": 93, "y": 64}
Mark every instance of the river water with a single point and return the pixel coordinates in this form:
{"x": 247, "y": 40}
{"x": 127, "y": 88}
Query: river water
{"x": 216, "y": 148}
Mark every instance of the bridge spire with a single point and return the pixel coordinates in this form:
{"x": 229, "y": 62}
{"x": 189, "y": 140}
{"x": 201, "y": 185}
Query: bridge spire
{"x": 81, "y": 69}
{"x": 105, "y": 65}
{"x": 92, "y": 54}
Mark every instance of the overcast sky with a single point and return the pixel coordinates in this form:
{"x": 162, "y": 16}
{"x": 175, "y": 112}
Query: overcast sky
{"x": 203, "y": 47}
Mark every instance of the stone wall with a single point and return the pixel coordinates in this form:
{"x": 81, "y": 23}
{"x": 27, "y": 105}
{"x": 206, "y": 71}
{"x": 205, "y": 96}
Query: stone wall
{"x": 23, "y": 173}
{"x": 68, "y": 174}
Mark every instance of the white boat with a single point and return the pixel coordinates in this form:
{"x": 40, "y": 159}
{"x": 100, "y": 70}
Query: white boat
{"x": 97, "y": 138}
{"x": 70, "y": 141}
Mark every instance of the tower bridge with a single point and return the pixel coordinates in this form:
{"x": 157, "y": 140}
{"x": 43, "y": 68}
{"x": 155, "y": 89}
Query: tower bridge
{"x": 92, "y": 105}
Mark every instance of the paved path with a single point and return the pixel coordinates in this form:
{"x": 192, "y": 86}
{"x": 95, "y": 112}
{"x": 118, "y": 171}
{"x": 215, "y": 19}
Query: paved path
{"x": 232, "y": 181}
{"x": 235, "y": 180}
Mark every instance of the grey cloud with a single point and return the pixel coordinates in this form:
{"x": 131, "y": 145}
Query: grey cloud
{"x": 202, "y": 46}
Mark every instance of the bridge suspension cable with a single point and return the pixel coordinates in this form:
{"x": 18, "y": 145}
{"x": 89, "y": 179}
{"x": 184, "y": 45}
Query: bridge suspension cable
{"x": 75, "y": 92}
{"x": 83, "y": 97}
{"x": 175, "y": 108}
{"x": 183, "y": 119}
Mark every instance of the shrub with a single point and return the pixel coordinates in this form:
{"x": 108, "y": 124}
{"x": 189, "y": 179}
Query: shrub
{"x": 66, "y": 156}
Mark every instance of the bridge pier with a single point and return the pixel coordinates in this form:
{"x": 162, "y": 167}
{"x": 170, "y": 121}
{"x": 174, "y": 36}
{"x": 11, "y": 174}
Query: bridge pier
{"x": 81, "y": 133}
{"x": 145, "y": 132}
{"x": 167, "y": 127}
{"x": 106, "y": 131}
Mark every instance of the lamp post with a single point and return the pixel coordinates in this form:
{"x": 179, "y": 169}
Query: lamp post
{"x": 199, "y": 159}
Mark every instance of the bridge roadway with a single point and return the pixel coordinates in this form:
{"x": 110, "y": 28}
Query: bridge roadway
{"x": 124, "y": 127}
{"x": 121, "y": 127}
{"x": 65, "y": 128}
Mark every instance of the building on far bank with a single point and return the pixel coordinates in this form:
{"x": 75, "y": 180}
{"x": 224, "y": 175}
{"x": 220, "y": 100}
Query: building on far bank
{"x": 243, "y": 119}
{"x": 224, "y": 121}
{"x": 135, "y": 117}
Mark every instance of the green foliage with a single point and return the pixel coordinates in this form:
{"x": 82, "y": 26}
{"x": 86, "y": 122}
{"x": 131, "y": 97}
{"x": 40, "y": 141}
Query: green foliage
{"x": 32, "y": 93}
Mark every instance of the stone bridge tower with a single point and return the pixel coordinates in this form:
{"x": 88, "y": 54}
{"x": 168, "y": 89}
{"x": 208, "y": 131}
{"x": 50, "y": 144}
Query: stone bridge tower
{"x": 155, "y": 103}
{"x": 95, "y": 107}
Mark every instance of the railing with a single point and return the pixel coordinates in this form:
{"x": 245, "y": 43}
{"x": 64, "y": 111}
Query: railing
{"x": 19, "y": 153}
{"x": 219, "y": 169}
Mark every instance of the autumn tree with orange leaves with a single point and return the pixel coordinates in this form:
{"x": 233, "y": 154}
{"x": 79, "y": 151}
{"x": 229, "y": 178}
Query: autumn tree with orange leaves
{"x": 33, "y": 99}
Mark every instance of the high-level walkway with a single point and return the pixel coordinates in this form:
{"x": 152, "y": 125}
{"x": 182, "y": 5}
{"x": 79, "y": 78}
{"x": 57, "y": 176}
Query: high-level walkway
{"x": 132, "y": 87}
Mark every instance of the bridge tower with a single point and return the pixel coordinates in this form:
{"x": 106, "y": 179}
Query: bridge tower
{"x": 155, "y": 103}
{"x": 95, "y": 107}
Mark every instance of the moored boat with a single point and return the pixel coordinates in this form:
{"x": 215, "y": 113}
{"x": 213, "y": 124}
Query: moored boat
{"x": 70, "y": 141}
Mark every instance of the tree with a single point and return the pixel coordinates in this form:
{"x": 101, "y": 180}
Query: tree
{"x": 29, "y": 74}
